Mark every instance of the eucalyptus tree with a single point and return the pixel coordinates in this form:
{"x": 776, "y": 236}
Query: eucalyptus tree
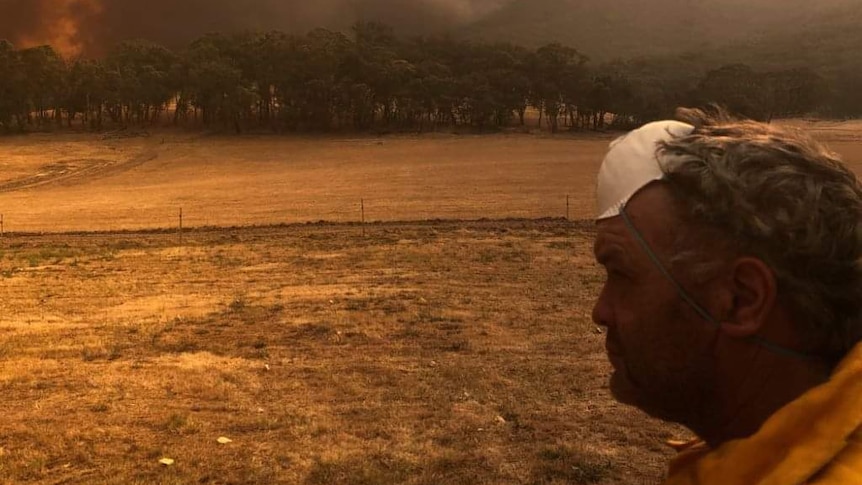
{"x": 318, "y": 80}
{"x": 43, "y": 69}
{"x": 85, "y": 92}
{"x": 557, "y": 75}
{"x": 505, "y": 67}
{"x": 438, "y": 63}
{"x": 263, "y": 64}
{"x": 141, "y": 76}
{"x": 736, "y": 86}
{"x": 214, "y": 83}
{"x": 845, "y": 98}
{"x": 793, "y": 92}
{"x": 374, "y": 65}
{"x": 12, "y": 88}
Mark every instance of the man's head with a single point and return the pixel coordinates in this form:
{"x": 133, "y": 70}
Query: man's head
{"x": 744, "y": 238}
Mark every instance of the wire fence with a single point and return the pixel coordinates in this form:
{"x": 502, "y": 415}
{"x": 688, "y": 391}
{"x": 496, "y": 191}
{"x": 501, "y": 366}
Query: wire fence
{"x": 362, "y": 211}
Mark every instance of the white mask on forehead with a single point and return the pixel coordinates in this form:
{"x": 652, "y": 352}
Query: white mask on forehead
{"x": 631, "y": 164}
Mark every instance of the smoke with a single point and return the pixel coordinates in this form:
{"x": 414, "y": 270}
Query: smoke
{"x": 29, "y": 23}
{"x": 90, "y": 27}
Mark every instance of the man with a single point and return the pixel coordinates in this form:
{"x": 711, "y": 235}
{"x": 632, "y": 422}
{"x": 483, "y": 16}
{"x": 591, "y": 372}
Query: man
{"x": 733, "y": 299}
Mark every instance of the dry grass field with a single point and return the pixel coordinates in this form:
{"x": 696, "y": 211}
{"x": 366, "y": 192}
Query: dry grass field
{"x": 124, "y": 181}
{"x": 92, "y": 182}
{"x": 422, "y": 353}
{"x": 436, "y": 351}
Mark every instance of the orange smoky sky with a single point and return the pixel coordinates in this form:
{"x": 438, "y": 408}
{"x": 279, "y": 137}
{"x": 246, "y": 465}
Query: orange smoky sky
{"x": 91, "y": 27}
{"x": 28, "y": 23}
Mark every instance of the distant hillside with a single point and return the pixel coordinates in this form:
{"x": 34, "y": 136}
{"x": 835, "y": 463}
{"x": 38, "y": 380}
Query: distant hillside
{"x": 605, "y": 29}
{"x": 829, "y": 44}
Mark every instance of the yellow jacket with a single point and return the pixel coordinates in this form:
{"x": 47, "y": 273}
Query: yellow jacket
{"x": 816, "y": 440}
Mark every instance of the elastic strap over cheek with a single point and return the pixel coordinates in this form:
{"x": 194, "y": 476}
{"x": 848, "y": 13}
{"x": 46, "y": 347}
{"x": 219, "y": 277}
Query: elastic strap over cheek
{"x": 657, "y": 262}
{"x": 773, "y": 347}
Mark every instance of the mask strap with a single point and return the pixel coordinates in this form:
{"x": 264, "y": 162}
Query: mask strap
{"x": 775, "y": 348}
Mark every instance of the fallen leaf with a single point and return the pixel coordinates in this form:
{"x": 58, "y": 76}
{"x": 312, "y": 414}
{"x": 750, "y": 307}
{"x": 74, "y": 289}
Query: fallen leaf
{"x": 166, "y": 461}
{"x": 224, "y": 440}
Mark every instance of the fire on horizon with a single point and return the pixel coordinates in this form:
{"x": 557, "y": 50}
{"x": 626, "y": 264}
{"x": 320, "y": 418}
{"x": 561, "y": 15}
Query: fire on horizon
{"x": 87, "y": 27}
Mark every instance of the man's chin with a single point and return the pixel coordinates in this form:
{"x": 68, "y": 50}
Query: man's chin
{"x": 623, "y": 390}
{"x": 627, "y": 392}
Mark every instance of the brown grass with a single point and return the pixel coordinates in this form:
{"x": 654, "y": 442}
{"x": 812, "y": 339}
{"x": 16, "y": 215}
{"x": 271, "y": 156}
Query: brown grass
{"x": 85, "y": 182}
{"x": 423, "y": 353}
{"x": 100, "y": 182}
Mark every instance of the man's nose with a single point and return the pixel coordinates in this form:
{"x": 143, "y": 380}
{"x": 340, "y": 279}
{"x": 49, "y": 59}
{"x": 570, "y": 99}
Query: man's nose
{"x": 602, "y": 310}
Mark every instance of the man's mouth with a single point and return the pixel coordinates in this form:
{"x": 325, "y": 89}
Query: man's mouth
{"x": 612, "y": 345}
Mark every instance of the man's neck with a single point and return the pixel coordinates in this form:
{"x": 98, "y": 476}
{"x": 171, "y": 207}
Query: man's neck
{"x": 749, "y": 398}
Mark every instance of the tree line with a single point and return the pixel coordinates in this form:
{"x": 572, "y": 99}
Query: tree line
{"x": 367, "y": 79}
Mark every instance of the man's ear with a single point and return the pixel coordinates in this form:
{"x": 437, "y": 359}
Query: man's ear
{"x": 753, "y": 289}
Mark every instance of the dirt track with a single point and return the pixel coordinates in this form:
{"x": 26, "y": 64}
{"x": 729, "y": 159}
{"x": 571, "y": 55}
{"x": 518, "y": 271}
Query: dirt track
{"x": 75, "y": 172}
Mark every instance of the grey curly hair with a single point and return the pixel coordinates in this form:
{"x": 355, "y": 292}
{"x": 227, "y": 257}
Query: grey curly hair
{"x": 782, "y": 197}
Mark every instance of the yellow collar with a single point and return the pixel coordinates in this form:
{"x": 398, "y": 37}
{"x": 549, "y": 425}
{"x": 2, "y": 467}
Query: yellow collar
{"x": 792, "y": 445}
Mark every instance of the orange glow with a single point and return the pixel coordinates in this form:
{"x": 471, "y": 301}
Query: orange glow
{"x": 61, "y": 26}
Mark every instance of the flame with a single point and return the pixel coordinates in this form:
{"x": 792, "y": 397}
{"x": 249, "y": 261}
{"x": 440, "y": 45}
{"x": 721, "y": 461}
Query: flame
{"x": 61, "y": 26}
